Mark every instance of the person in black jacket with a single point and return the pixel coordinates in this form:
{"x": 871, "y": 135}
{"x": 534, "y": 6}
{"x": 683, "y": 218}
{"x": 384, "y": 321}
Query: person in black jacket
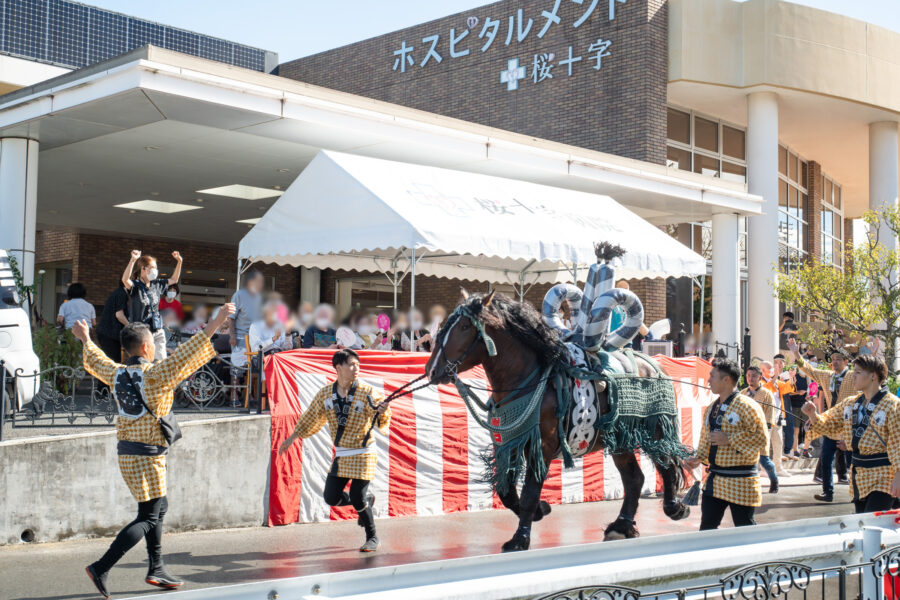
{"x": 113, "y": 318}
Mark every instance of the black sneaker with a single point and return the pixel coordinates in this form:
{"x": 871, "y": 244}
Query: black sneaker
{"x": 817, "y": 479}
{"x": 163, "y": 579}
{"x": 844, "y": 480}
{"x": 371, "y": 545}
{"x": 824, "y": 497}
{"x": 773, "y": 487}
{"x": 99, "y": 580}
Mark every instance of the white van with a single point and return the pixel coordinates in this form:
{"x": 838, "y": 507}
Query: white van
{"x": 16, "y": 349}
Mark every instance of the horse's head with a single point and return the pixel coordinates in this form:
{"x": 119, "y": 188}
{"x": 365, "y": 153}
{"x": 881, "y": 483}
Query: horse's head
{"x": 462, "y": 342}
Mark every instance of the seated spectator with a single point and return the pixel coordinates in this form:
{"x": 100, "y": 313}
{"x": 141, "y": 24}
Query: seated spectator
{"x": 170, "y": 302}
{"x": 438, "y": 315}
{"x": 322, "y": 333}
{"x": 417, "y": 327}
{"x": 198, "y": 319}
{"x": 368, "y": 337}
{"x": 270, "y": 334}
{"x": 396, "y": 333}
{"x": 303, "y": 319}
{"x": 76, "y": 308}
{"x": 171, "y": 329}
{"x": 221, "y": 340}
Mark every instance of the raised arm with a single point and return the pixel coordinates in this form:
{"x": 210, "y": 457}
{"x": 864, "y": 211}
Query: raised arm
{"x": 829, "y": 423}
{"x": 126, "y": 275}
{"x": 95, "y": 361}
{"x": 176, "y": 275}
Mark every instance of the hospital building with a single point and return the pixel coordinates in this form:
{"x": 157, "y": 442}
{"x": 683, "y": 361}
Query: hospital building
{"x": 755, "y": 132}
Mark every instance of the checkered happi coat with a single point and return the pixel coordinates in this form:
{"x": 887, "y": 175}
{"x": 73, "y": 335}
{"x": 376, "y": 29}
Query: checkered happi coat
{"x": 748, "y": 436}
{"x": 766, "y": 401}
{"x": 837, "y": 423}
{"x": 359, "y": 421}
{"x": 146, "y": 475}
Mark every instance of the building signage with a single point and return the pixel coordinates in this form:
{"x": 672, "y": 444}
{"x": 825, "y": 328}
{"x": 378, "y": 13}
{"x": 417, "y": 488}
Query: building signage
{"x": 536, "y": 68}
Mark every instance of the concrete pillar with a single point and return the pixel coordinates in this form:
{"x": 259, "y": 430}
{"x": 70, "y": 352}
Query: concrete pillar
{"x": 883, "y": 174}
{"x": 310, "y": 285}
{"x": 762, "y": 238}
{"x": 18, "y": 201}
{"x": 726, "y": 276}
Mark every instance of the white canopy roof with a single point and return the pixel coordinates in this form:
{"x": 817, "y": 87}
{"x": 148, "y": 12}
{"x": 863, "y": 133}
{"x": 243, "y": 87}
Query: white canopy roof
{"x": 357, "y": 213}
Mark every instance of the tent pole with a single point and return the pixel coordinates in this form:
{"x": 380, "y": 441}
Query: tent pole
{"x": 412, "y": 300}
{"x": 394, "y": 281}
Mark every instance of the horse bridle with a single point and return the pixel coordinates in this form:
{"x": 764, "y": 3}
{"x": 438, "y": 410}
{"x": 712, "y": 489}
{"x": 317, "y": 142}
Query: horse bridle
{"x": 460, "y": 312}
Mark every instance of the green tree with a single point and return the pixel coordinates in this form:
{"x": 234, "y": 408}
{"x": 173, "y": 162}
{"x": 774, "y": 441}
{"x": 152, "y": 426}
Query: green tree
{"x": 863, "y": 298}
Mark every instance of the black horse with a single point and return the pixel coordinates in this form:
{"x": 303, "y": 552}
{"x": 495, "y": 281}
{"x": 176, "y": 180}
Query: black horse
{"x": 524, "y": 343}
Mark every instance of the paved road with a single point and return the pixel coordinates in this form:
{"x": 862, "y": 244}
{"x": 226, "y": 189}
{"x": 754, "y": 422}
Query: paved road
{"x": 45, "y": 571}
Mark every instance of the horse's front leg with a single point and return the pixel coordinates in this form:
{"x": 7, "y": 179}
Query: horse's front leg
{"x": 529, "y": 504}
{"x": 633, "y": 482}
{"x": 510, "y": 498}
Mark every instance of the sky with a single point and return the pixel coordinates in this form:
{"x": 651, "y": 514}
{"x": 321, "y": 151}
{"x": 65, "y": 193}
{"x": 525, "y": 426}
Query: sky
{"x": 303, "y": 27}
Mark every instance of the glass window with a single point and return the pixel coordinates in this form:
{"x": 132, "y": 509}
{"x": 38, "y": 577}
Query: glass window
{"x": 706, "y": 165}
{"x": 733, "y": 142}
{"x": 678, "y": 158}
{"x": 782, "y": 227}
{"x": 706, "y": 134}
{"x": 837, "y": 196}
{"x": 793, "y": 206}
{"x": 782, "y": 160}
{"x": 782, "y": 195}
{"x": 827, "y": 222}
{"x": 829, "y": 191}
{"x": 792, "y": 167}
{"x": 837, "y": 226}
{"x": 804, "y": 174}
{"x": 679, "y": 125}
{"x": 733, "y": 172}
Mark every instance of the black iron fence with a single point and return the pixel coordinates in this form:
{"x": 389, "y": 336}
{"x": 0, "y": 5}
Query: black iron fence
{"x": 873, "y": 580}
{"x": 66, "y": 396}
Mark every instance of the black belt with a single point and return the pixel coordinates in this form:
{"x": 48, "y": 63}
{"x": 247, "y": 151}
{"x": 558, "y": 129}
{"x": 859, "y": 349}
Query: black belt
{"x": 870, "y": 461}
{"x": 126, "y": 448}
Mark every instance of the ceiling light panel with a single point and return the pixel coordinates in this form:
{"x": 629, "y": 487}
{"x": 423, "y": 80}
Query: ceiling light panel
{"x": 243, "y": 192}
{"x": 156, "y": 206}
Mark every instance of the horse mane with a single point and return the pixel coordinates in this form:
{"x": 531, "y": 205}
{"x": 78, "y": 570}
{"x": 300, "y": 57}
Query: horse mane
{"x": 523, "y": 322}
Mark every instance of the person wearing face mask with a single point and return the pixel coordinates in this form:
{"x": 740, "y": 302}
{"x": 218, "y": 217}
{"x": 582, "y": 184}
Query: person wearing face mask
{"x": 269, "y": 334}
{"x": 422, "y": 335}
{"x": 368, "y": 336}
{"x": 146, "y": 288}
{"x": 171, "y": 302}
{"x": 198, "y": 319}
{"x": 322, "y": 334}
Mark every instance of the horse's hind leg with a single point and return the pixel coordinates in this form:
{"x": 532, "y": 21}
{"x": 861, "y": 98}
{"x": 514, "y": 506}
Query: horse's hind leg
{"x": 672, "y": 476}
{"x": 633, "y": 482}
{"x": 530, "y": 505}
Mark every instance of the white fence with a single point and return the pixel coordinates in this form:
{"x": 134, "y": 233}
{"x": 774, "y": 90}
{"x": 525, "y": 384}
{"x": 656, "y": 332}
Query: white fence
{"x": 651, "y": 565}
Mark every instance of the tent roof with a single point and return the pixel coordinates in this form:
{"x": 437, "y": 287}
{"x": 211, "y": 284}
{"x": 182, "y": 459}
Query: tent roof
{"x": 357, "y": 213}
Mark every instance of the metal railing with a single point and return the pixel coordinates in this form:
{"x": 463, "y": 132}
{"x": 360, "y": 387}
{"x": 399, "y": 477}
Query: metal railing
{"x": 70, "y": 397}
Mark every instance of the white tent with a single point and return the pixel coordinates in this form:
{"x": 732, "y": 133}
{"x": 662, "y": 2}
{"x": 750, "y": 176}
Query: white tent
{"x": 357, "y": 213}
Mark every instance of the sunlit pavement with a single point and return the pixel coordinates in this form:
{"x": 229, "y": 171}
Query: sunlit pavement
{"x": 202, "y": 559}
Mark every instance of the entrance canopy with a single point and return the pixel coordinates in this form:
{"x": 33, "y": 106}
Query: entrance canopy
{"x": 357, "y": 213}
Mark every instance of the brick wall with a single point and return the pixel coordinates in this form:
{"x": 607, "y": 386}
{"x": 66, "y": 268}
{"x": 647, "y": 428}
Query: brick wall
{"x": 434, "y": 290}
{"x": 620, "y": 108}
{"x": 98, "y": 261}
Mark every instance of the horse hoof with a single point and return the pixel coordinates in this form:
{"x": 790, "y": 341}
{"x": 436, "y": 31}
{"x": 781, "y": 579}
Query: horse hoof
{"x": 677, "y": 511}
{"x": 621, "y": 529}
{"x": 517, "y": 544}
{"x": 542, "y": 511}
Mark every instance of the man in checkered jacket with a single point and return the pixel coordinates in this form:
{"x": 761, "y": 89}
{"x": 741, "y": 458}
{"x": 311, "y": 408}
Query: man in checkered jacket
{"x": 868, "y": 425}
{"x": 734, "y": 435}
{"x": 144, "y": 391}
{"x": 346, "y": 407}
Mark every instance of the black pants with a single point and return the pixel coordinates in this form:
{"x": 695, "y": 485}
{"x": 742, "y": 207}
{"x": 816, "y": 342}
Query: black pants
{"x": 713, "y": 509}
{"x": 147, "y": 525}
{"x": 111, "y": 347}
{"x": 336, "y": 496}
{"x": 873, "y": 502}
